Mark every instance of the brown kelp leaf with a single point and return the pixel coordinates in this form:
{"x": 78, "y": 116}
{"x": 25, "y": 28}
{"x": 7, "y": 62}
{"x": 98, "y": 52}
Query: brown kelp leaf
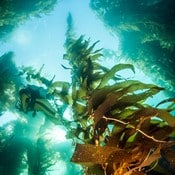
{"x": 144, "y": 114}
{"x": 151, "y": 157}
{"x": 105, "y": 106}
{"x": 137, "y": 173}
{"x": 166, "y": 116}
{"x": 129, "y": 100}
{"x": 148, "y": 160}
{"x": 101, "y": 126}
{"x": 91, "y": 154}
{"x": 139, "y": 86}
{"x": 104, "y": 99}
{"x": 124, "y": 87}
{"x": 162, "y": 114}
{"x": 162, "y": 132}
{"x": 98, "y": 97}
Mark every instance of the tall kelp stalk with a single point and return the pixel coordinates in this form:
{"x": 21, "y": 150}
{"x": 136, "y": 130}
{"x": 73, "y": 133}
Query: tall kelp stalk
{"x": 12, "y": 148}
{"x": 147, "y": 33}
{"x": 9, "y": 81}
{"x": 40, "y": 158}
{"x": 116, "y": 131}
{"x": 20, "y": 153}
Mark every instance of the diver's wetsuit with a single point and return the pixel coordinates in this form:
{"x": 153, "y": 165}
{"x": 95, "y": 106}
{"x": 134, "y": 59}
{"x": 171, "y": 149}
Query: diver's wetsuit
{"x": 34, "y": 98}
{"x": 32, "y": 92}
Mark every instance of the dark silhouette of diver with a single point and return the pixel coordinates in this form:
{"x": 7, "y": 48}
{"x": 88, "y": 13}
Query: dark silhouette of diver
{"x": 34, "y": 98}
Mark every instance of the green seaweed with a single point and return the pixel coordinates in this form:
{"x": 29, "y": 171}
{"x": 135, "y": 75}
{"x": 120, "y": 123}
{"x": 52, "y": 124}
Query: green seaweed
{"x": 146, "y": 33}
{"x": 9, "y": 81}
{"x": 125, "y": 134}
{"x": 14, "y": 13}
{"x": 113, "y": 127}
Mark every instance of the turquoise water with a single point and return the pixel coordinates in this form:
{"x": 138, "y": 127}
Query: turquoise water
{"x": 34, "y": 142}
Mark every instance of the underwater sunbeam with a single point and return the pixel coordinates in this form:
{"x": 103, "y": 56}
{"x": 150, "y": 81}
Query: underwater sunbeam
{"x": 7, "y": 117}
{"x": 22, "y": 37}
{"x": 56, "y": 134}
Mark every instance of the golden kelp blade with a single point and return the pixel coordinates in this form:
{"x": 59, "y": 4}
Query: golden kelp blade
{"x": 110, "y": 74}
{"x": 91, "y": 154}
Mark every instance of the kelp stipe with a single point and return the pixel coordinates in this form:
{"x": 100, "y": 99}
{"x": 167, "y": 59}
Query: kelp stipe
{"x": 117, "y": 132}
{"x": 9, "y": 81}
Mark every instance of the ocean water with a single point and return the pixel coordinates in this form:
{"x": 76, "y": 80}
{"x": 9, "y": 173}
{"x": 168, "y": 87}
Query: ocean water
{"x": 64, "y": 103}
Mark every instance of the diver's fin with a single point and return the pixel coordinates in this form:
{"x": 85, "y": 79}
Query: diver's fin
{"x": 44, "y": 106}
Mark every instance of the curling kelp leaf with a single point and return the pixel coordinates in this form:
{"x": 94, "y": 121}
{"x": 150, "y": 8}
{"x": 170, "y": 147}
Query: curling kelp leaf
{"x": 137, "y": 87}
{"x": 168, "y": 104}
{"x": 129, "y": 100}
{"x": 117, "y": 99}
{"x": 166, "y": 116}
{"x": 166, "y": 101}
{"x": 110, "y": 75}
{"x": 129, "y": 86}
{"x": 151, "y": 157}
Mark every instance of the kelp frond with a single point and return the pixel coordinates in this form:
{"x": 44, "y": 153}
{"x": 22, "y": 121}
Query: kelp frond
{"x": 117, "y": 132}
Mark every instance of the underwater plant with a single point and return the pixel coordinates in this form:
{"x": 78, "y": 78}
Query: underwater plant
{"x": 114, "y": 129}
{"x": 117, "y": 131}
{"x": 40, "y": 158}
{"x": 42, "y": 94}
{"x": 9, "y": 81}
{"x": 146, "y": 31}
{"x": 14, "y": 12}
{"x": 19, "y": 153}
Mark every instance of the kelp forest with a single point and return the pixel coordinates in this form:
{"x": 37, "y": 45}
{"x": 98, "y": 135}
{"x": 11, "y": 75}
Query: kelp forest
{"x": 146, "y": 30}
{"x": 113, "y": 127}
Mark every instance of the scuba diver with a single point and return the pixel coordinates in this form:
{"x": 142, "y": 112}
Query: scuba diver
{"x": 34, "y": 98}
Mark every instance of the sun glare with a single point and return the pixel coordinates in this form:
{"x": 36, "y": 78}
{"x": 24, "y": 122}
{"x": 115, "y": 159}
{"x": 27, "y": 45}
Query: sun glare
{"x": 8, "y": 117}
{"x": 22, "y": 37}
{"x": 56, "y": 134}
